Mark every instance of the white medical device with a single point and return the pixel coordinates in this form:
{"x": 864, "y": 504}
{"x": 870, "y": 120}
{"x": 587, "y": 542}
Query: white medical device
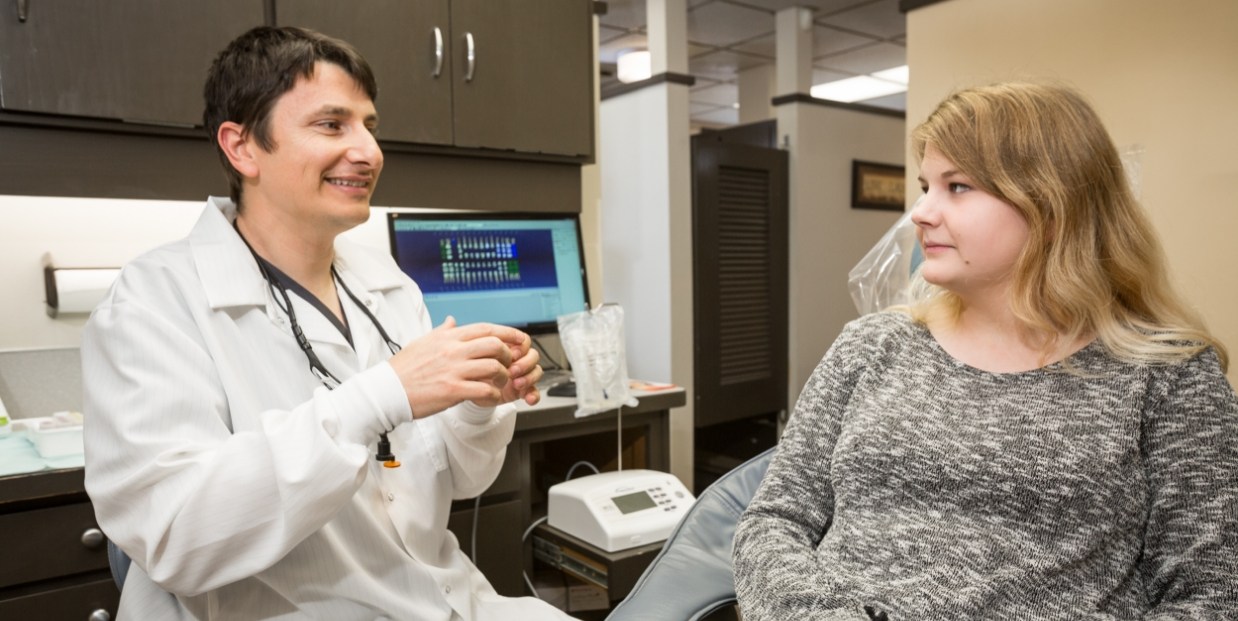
{"x": 619, "y": 510}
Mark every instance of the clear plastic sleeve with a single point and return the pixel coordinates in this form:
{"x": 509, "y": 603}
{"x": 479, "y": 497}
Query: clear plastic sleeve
{"x": 883, "y": 278}
{"x": 595, "y": 348}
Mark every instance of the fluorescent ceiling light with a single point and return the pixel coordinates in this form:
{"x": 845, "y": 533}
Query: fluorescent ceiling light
{"x": 897, "y": 74}
{"x": 858, "y": 88}
{"x": 634, "y": 66}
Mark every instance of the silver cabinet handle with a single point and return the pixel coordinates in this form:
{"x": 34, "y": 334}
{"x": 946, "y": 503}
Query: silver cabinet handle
{"x": 472, "y": 56}
{"x": 438, "y": 51}
{"x": 100, "y": 615}
{"x": 93, "y": 538}
{"x": 23, "y": 10}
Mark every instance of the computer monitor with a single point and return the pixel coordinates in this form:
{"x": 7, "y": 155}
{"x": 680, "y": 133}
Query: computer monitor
{"x": 516, "y": 269}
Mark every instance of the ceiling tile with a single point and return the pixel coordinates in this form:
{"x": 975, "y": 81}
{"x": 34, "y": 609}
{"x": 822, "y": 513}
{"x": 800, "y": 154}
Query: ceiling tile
{"x": 610, "y": 34}
{"x": 625, "y": 14}
{"x": 881, "y": 19}
{"x": 723, "y": 65}
{"x": 695, "y": 108}
{"x": 718, "y": 117}
{"x": 851, "y": 37}
{"x": 821, "y": 76}
{"x": 826, "y": 41}
{"x": 867, "y": 59}
{"x": 718, "y": 95}
{"x": 818, "y": 5}
{"x": 724, "y": 24}
{"x": 765, "y": 45}
{"x": 897, "y": 101}
{"x": 608, "y": 52}
{"x": 695, "y": 50}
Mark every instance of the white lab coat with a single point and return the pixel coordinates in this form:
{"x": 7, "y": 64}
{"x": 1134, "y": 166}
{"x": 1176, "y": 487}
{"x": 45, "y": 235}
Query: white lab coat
{"x": 240, "y": 484}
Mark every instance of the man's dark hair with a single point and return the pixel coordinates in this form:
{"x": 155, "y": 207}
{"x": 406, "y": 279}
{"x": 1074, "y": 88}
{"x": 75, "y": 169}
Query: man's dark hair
{"x": 250, "y": 75}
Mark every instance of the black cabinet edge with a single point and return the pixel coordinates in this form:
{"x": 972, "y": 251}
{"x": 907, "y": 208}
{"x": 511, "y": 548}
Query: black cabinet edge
{"x": 906, "y": 6}
{"x": 667, "y": 77}
{"x": 854, "y": 107}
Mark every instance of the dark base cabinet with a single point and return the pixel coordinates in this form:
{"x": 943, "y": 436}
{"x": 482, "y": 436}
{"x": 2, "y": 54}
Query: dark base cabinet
{"x": 86, "y": 601}
{"x": 55, "y": 557}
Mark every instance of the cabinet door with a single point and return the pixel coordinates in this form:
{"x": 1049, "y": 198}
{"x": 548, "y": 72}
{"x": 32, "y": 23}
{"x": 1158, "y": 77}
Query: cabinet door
{"x": 137, "y": 60}
{"x": 397, "y": 38}
{"x": 532, "y": 78}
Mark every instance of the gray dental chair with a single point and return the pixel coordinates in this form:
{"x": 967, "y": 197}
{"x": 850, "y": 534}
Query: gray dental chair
{"x": 691, "y": 577}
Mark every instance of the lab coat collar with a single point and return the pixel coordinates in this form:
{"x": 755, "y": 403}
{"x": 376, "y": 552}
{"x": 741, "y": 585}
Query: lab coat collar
{"x": 230, "y": 275}
{"x": 228, "y": 271}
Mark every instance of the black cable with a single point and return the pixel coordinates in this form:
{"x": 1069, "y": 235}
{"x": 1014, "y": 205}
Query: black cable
{"x": 542, "y": 349}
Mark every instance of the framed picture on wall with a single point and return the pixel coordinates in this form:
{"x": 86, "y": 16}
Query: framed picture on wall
{"x": 877, "y": 186}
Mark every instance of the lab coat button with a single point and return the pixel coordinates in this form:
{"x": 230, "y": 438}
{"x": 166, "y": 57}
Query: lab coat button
{"x": 391, "y": 496}
{"x": 447, "y": 589}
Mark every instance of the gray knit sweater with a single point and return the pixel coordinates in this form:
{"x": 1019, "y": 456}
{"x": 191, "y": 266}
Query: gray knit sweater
{"x": 917, "y": 485}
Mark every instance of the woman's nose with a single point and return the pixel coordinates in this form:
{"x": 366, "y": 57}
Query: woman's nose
{"x": 923, "y": 212}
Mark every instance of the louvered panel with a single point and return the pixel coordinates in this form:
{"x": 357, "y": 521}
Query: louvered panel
{"x": 739, "y": 281}
{"x": 743, "y": 275}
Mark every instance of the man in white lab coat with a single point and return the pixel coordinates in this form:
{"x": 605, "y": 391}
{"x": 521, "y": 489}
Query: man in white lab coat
{"x": 242, "y": 384}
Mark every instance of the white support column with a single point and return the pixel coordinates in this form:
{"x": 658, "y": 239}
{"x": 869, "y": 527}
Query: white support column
{"x": 668, "y": 35}
{"x": 646, "y": 216}
{"x": 793, "y": 26}
{"x": 756, "y": 88}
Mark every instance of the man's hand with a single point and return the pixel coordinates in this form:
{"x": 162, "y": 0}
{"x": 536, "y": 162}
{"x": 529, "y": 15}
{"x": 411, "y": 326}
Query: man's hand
{"x": 523, "y": 374}
{"x": 484, "y": 363}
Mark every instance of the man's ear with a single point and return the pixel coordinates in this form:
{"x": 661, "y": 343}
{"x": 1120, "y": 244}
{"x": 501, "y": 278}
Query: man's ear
{"x": 236, "y": 144}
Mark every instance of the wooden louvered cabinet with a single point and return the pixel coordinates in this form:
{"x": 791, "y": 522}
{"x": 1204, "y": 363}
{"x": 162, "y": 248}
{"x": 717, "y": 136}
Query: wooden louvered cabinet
{"x": 740, "y": 294}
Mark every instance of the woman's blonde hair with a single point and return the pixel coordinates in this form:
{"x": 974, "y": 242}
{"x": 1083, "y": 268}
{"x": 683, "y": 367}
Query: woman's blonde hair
{"x": 1092, "y": 263}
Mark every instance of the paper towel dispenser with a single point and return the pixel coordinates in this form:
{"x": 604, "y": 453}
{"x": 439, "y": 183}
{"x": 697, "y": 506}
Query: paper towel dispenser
{"x": 76, "y": 289}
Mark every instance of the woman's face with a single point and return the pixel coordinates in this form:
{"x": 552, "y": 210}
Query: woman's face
{"x": 970, "y": 238}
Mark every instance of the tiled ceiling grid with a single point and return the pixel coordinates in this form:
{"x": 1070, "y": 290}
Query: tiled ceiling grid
{"x": 850, "y": 38}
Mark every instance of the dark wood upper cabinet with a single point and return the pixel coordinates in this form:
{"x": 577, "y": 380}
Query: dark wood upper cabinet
{"x": 528, "y": 87}
{"x": 532, "y": 80}
{"x": 403, "y": 41}
{"x": 142, "y": 61}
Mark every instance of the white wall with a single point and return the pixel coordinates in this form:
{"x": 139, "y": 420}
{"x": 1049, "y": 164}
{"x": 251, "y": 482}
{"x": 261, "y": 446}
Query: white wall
{"x": 646, "y": 240}
{"x": 1162, "y": 75}
{"x": 77, "y": 232}
{"x": 90, "y": 232}
{"x": 828, "y": 237}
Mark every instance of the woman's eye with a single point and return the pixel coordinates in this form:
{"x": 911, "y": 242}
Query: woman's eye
{"x": 958, "y": 188}
{"x": 924, "y": 189}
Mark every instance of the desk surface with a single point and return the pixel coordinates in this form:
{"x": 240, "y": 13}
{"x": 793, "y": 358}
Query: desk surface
{"x": 552, "y": 411}
{"x": 549, "y": 412}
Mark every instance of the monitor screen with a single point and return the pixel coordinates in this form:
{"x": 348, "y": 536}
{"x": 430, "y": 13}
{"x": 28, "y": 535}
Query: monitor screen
{"x": 519, "y": 270}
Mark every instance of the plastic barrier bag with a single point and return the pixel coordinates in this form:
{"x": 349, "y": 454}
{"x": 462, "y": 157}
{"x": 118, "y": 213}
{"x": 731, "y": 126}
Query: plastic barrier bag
{"x": 884, "y": 276}
{"x": 594, "y": 344}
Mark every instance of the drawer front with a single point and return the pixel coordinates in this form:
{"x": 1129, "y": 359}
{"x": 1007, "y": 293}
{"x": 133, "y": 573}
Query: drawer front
{"x": 48, "y": 543}
{"x": 74, "y": 603}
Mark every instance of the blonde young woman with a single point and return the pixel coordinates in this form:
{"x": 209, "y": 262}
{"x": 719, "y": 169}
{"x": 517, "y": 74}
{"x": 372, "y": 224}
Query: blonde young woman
{"x": 1049, "y": 435}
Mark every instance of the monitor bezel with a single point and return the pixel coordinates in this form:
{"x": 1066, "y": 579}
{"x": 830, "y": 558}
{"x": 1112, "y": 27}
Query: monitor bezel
{"x": 538, "y": 328}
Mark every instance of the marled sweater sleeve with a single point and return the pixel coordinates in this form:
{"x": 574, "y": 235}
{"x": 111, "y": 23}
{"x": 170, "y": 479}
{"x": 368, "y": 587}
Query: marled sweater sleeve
{"x": 1190, "y": 447}
{"x": 776, "y": 576}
